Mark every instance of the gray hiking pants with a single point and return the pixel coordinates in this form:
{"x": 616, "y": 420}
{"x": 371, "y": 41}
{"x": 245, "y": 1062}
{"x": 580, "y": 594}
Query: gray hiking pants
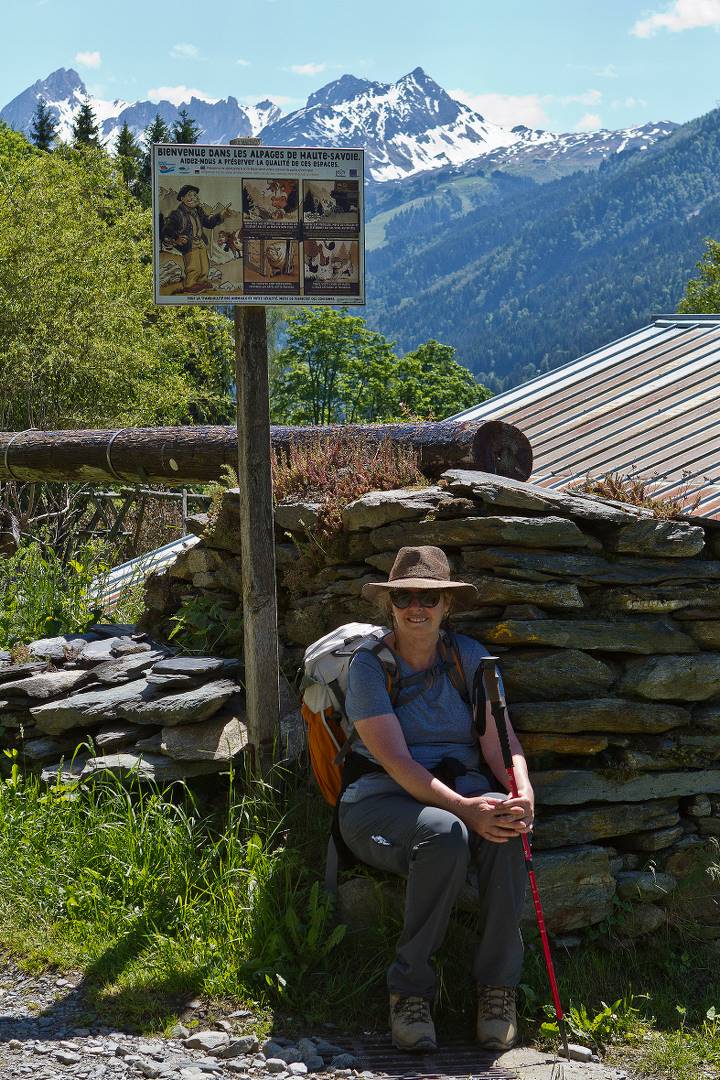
{"x": 432, "y": 849}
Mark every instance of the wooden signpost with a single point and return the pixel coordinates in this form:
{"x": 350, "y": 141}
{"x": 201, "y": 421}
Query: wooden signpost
{"x": 248, "y": 225}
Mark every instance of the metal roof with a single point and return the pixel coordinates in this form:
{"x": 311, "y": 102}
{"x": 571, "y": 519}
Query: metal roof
{"x": 646, "y": 405}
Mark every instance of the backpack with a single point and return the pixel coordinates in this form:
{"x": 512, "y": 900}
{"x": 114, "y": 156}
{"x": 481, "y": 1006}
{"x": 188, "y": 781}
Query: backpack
{"x": 324, "y": 684}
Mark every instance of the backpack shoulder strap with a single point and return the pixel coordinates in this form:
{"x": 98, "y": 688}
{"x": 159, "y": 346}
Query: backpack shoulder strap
{"x": 450, "y": 654}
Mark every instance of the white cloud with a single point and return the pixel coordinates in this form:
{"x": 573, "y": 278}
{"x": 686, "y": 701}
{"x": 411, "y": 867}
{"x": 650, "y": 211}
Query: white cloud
{"x": 681, "y": 15}
{"x": 588, "y": 97}
{"x": 177, "y": 95}
{"x": 629, "y": 103}
{"x": 589, "y": 122}
{"x": 307, "y": 69}
{"x": 185, "y": 51}
{"x": 505, "y": 109}
{"x": 88, "y": 59}
{"x": 607, "y": 72}
{"x": 243, "y": 63}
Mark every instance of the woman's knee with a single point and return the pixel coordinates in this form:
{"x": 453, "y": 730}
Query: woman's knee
{"x": 442, "y": 835}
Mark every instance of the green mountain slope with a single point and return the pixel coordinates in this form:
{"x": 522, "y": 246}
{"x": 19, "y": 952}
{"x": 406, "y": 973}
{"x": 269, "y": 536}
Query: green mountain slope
{"x": 521, "y": 277}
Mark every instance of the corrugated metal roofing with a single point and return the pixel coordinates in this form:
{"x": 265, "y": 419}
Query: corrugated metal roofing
{"x": 646, "y": 405}
{"x": 109, "y": 587}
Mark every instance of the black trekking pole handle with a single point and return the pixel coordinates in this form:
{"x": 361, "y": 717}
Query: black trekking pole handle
{"x": 491, "y": 683}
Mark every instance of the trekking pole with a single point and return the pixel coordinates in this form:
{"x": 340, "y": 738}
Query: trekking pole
{"x": 492, "y": 687}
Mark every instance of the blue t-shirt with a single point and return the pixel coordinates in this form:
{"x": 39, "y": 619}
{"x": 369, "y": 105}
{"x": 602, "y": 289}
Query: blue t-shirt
{"x": 436, "y": 723}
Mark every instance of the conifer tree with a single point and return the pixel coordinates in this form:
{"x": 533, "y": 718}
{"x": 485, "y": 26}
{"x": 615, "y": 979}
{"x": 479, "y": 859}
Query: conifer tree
{"x": 185, "y": 130}
{"x": 85, "y": 126}
{"x": 129, "y": 156}
{"x": 156, "y": 132}
{"x": 43, "y": 131}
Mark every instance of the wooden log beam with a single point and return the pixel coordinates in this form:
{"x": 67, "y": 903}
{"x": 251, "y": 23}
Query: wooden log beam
{"x": 195, "y": 455}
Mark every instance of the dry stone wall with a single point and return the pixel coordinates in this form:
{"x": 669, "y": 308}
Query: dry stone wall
{"x": 607, "y": 623}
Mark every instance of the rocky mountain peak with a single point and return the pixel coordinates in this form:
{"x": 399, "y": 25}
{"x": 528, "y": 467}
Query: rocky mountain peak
{"x": 343, "y": 89}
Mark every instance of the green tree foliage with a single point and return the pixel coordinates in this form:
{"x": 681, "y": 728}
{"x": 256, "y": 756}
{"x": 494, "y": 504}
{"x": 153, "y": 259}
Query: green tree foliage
{"x": 333, "y": 369}
{"x": 434, "y": 385}
{"x": 185, "y": 130}
{"x": 156, "y": 132}
{"x": 13, "y": 148}
{"x": 81, "y": 342}
{"x": 129, "y": 157}
{"x": 85, "y": 128}
{"x": 702, "y": 295}
{"x": 44, "y": 129}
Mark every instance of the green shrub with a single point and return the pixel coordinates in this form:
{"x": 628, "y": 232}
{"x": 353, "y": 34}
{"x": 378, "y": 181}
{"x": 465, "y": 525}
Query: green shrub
{"x": 41, "y": 595}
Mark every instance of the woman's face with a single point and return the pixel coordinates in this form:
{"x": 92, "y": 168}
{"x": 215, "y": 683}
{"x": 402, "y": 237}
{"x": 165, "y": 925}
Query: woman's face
{"x": 419, "y": 620}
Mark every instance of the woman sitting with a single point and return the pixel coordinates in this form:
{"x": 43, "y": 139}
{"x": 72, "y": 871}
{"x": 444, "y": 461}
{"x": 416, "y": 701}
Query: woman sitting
{"x": 418, "y": 801}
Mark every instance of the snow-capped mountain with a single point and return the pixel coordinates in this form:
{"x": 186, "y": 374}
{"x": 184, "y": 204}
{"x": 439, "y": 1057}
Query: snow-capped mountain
{"x": 64, "y": 92}
{"x": 408, "y": 127}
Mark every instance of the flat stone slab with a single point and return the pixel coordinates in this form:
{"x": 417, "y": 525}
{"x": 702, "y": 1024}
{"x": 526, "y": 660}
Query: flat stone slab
{"x": 190, "y": 706}
{"x": 494, "y": 590}
{"x": 147, "y": 767}
{"x": 88, "y": 708}
{"x": 597, "y": 714}
{"x": 218, "y": 739}
{"x": 111, "y": 737}
{"x": 97, "y": 651}
{"x": 539, "y": 674}
{"x": 572, "y": 787}
{"x": 676, "y": 539}
{"x": 15, "y": 672}
{"x": 651, "y": 839}
{"x": 297, "y": 516}
{"x": 51, "y": 748}
{"x": 643, "y": 885}
{"x": 630, "y": 634}
{"x": 547, "y": 743}
{"x": 685, "y": 750}
{"x": 674, "y": 678}
{"x": 189, "y": 665}
{"x": 137, "y": 701}
{"x": 591, "y": 569}
{"x": 59, "y": 649}
{"x": 495, "y": 490}
{"x": 602, "y": 822}
{"x": 533, "y": 532}
{"x": 379, "y": 508}
{"x": 46, "y": 685}
{"x": 640, "y": 919}
{"x": 125, "y": 668}
{"x": 576, "y": 888}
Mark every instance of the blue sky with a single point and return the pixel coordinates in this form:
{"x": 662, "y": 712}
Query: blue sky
{"x": 561, "y": 64}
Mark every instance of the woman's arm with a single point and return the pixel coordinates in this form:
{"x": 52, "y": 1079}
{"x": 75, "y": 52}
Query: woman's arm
{"x": 493, "y": 820}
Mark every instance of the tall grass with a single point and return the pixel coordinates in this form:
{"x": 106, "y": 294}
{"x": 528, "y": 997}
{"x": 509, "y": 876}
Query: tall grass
{"x": 148, "y": 890}
{"x": 41, "y": 594}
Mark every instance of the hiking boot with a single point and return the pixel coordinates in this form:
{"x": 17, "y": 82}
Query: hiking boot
{"x": 411, "y": 1024}
{"x": 496, "y": 1017}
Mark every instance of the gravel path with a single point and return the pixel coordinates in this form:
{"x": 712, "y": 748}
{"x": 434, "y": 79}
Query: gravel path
{"x": 44, "y": 1036}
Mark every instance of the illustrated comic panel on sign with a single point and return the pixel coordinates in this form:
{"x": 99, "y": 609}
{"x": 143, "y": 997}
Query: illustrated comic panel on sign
{"x": 200, "y": 227}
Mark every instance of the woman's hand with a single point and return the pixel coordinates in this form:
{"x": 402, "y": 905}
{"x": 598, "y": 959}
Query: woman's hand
{"x": 498, "y": 820}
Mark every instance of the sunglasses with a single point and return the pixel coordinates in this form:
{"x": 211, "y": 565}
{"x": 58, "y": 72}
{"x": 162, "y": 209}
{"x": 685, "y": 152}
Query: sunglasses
{"x": 403, "y": 598}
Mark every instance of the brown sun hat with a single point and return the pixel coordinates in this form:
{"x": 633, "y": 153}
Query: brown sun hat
{"x": 421, "y": 568}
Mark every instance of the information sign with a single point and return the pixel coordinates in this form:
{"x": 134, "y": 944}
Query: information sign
{"x": 258, "y": 225}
